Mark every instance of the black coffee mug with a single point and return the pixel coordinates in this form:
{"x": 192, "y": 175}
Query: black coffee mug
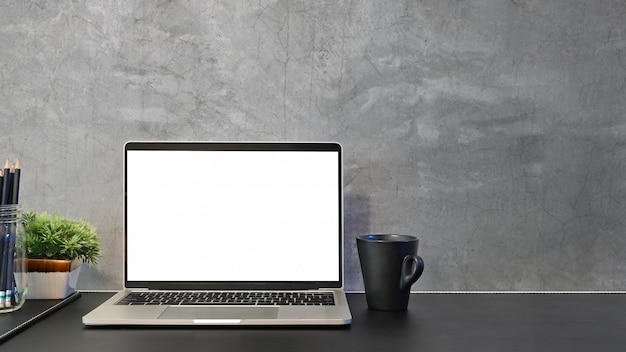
{"x": 390, "y": 265}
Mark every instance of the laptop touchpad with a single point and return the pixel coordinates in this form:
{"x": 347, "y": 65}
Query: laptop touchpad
{"x": 219, "y": 313}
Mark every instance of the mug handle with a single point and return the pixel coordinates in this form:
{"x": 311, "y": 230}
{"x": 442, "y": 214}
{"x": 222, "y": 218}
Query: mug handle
{"x": 412, "y": 269}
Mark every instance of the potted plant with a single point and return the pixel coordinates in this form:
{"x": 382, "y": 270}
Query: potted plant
{"x": 56, "y": 247}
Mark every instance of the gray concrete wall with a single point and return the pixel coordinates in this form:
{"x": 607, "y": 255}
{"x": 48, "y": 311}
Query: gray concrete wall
{"x": 494, "y": 130}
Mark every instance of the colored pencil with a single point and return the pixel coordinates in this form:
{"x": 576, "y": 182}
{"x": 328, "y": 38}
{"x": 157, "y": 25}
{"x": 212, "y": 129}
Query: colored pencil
{"x": 15, "y": 183}
{"x": 6, "y": 182}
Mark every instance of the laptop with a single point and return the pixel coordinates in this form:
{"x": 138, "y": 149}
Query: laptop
{"x": 231, "y": 233}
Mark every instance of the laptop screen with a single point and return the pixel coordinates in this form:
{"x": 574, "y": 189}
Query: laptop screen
{"x": 233, "y": 215}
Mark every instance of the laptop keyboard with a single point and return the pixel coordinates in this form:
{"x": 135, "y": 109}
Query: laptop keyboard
{"x": 228, "y": 298}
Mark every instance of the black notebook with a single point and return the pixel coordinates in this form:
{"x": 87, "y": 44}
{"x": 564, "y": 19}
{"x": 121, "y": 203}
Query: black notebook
{"x": 31, "y": 312}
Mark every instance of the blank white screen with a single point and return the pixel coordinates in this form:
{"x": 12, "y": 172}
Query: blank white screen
{"x": 232, "y": 216}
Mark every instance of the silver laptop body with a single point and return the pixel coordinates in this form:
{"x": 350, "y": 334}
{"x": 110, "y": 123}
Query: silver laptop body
{"x": 248, "y": 217}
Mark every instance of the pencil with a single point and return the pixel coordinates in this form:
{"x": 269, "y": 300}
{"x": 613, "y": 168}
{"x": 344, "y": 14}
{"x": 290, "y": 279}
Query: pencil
{"x": 15, "y": 183}
{"x": 3, "y": 271}
{"x": 8, "y": 283}
{"x": 1, "y": 184}
{"x": 4, "y": 198}
{"x": 13, "y": 189}
{"x": 6, "y": 182}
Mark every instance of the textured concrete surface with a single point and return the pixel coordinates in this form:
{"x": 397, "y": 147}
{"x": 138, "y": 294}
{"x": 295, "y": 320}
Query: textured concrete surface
{"x": 494, "y": 130}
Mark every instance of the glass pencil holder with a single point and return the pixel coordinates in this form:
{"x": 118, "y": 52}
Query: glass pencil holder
{"x": 13, "y": 264}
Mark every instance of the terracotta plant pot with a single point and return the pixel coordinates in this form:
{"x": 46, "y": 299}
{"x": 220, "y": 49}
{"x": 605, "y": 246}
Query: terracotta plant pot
{"x": 52, "y": 265}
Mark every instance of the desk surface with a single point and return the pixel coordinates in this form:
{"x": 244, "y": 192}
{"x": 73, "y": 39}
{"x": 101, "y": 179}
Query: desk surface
{"x": 434, "y": 322}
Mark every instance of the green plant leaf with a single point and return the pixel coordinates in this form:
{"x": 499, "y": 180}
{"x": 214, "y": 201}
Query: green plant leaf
{"x": 54, "y": 237}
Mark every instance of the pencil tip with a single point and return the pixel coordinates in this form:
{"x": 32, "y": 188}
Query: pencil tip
{"x": 17, "y": 164}
{"x": 7, "y": 165}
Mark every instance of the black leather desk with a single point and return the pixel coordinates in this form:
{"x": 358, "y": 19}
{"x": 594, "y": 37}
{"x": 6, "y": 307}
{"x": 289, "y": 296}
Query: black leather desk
{"x": 434, "y": 322}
